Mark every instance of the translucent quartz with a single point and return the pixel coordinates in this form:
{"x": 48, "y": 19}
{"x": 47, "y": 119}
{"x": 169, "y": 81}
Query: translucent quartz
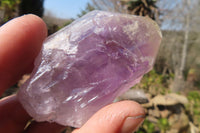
{"x": 85, "y": 65}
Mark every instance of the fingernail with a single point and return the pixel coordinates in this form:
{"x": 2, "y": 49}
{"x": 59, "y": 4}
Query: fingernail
{"x": 131, "y": 124}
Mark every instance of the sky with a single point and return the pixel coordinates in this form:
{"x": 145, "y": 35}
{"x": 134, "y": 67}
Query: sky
{"x": 65, "y": 8}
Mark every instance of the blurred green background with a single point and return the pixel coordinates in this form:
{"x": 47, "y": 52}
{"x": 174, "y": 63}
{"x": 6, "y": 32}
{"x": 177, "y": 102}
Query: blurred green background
{"x": 176, "y": 70}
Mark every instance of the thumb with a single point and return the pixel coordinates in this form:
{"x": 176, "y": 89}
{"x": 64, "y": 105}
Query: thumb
{"x": 121, "y": 117}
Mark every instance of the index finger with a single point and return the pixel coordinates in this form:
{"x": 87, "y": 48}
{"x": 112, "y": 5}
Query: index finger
{"x": 20, "y": 42}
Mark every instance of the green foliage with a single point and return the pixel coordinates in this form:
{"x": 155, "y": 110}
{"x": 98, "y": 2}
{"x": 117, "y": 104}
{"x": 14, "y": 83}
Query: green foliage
{"x": 65, "y": 24}
{"x": 194, "y": 106}
{"x": 147, "y": 127}
{"x": 68, "y": 22}
{"x": 10, "y": 9}
{"x": 154, "y": 83}
{"x": 163, "y": 124}
{"x": 9, "y": 3}
{"x": 194, "y": 95}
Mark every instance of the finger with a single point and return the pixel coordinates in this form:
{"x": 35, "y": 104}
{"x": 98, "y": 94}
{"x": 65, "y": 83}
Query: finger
{"x": 122, "y": 117}
{"x": 13, "y": 117}
{"x": 44, "y": 127}
{"x": 21, "y": 41}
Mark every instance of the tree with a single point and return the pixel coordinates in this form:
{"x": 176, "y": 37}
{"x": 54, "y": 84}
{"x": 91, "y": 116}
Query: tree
{"x": 142, "y": 8}
{"x": 32, "y": 6}
{"x": 88, "y": 8}
{"x": 178, "y": 17}
{"x": 136, "y": 7}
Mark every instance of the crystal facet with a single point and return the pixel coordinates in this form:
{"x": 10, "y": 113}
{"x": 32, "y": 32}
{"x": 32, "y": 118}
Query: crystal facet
{"x": 85, "y": 65}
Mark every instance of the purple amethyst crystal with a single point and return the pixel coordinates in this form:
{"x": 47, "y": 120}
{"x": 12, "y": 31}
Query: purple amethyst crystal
{"x": 84, "y": 66}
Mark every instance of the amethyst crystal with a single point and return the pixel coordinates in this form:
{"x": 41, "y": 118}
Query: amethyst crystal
{"x": 84, "y": 66}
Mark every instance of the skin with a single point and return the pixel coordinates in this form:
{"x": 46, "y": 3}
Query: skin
{"x": 20, "y": 42}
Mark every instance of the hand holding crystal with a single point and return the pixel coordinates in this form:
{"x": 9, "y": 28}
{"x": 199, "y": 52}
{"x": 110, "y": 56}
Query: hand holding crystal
{"x": 20, "y": 42}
